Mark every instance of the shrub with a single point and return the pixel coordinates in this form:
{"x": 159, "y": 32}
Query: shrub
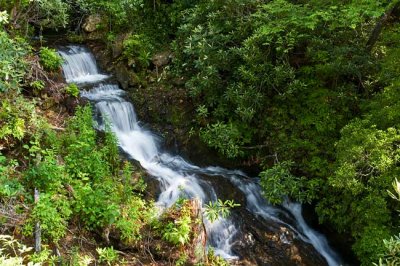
{"x": 52, "y": 211}
{"x": 13, "y": 65}
{"x": 18, "y": 118}
{"x": 50, "y": 59}
{"x": 108, "y": 255}
{"x": 9, "y": 185}
{"x": 178, "y": 231}
{"x": 138, "y": 50}
{"x": 72, "y": 90}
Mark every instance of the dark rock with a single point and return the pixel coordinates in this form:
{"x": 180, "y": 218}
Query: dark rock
{"x": 124, "y": 76}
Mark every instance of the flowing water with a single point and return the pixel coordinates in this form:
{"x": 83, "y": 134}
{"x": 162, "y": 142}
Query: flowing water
{"x": 176, "y": 176}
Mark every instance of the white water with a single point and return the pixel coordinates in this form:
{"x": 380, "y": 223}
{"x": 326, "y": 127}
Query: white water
{"x": 316, "y": 239}
{"x": 79, "y": 66}
{"x": 178, "y": 177}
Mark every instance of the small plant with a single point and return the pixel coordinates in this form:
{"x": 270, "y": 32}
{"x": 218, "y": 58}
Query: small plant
{"x": 178, "y": 231}
{"x": 107, "y": 255}
{"x": 219, "y": 208}
{"x": 9, "y": 186}
{"x": 50, "y": 59}
{"x": 215, "y": 260}
{"x": 37, "y": 85}
{"x": 182, "y": 259}
{"x": 138, "y": 50}
{"x": 16, "y": 115}
{"x": 12, "y": 252}
{"x": 3, "y": 17}
{"x": 13, "y": 66}
{"x": 72, "y": 90}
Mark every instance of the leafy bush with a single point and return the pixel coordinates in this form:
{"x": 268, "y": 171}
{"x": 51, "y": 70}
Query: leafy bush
{"x": 219, "y": 208}
{"x": 19, "y": 251}
{"x": 108, "y": 255}
{"x": 10, "y": 186}
{"x": 226, "y": 138}
{"x": 47, "y": 175}
{"x": 52, "y": 14}
{"x": 72, "y": 90}
{"x": 178, "y": 231}
{"x": 18, "y": 118}
{"x": 50, "y": 59}
{"x": 52, "y": 211}
{"x": 13, "y": 65}
{"x": 137, "y": 49}
{"x": 278, "y": 182}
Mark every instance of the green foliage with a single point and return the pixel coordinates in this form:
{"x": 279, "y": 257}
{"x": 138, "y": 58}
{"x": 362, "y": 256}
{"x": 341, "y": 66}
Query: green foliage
{"x": 12, "y": 252}
{"x": 278, "y": 182}
{"x": 52, "y": 13}
{"x": 44, "y": 256}
{"x": 18, "y": 118}
{"x": 215, "y": 260}
{"x": 133, "y": 217}
{"x": 226, "y": 138}
{"x": 12, "y": 62}
{"x": 3, "y": 17}
{"x": 107, "y": 255}
{"x": 95, "y": 205}
{"x": 50, "y": 59}
{"x": 391, "y": 255}
{"x": 369, "y": 246}
{"x": 367, "y": 160}
{"x": 47, "y": 175}
{"x": 178, "y": 231}
{"x": 213, "y": 210}
{"x": 119, "y": 11}
{"x": 52, "y": 211}
{"x": 9, "y": 184}
{"x": 37, "y": 86}
{"x": 137, "y": 49}
{"x": 182, "y": 260}
{"x": 253, "y": 67}
{"x": 72, "y": 90}
{"x": 90, "y": 189}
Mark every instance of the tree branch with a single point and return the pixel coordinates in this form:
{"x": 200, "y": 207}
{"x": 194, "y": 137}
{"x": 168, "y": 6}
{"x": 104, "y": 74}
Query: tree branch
{"x": 379, "y": 25}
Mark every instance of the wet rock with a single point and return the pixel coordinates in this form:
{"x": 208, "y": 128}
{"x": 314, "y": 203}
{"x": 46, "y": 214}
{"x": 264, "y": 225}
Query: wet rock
{"x": 268, "y": 243}
{"x": 91, "y": 23}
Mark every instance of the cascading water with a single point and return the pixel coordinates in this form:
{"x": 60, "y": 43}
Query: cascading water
{"x": 176, "y": 176}
{"x": 80, "y": 66}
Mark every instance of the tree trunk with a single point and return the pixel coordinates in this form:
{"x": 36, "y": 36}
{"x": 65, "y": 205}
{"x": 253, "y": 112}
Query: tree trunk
{"x": 379, "y": 25}
{"x": 38, "y": 231}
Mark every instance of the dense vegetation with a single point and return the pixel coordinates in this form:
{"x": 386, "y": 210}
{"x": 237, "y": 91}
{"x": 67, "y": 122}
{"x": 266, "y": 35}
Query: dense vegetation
{"x": 308, "y": 90}
{"x": 62, "y": 178}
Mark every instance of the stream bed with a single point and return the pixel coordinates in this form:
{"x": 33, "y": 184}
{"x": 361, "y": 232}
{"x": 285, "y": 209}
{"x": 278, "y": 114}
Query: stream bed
{"x": 255, "y": 233}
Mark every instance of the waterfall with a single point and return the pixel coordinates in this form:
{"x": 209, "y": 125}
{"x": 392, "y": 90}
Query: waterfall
{"x": 177, "y": 177}
{"x": 79, "y": 66}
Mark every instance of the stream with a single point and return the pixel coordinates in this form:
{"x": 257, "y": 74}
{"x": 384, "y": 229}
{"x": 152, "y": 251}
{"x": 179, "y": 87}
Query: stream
{"x": 233, "y": 237}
